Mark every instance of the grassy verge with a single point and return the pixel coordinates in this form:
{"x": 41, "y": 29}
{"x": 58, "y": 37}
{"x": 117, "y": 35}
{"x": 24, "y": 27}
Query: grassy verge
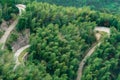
{"x": 1, "y": 33}
{"x": 22, "y": 54}
{"x": 104, "y": 36}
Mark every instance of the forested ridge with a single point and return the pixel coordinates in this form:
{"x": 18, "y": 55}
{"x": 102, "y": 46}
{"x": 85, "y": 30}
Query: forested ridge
{"x": 108, "y": 6}
{"x": 8, "y": 9}
{"x": 59, "y": 39}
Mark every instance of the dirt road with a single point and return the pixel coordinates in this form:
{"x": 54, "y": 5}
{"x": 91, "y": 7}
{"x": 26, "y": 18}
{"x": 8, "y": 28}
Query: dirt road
{"x": 11, "y": 27}
{"x": 17, "y": 53}
{"x": 82, "y": 63}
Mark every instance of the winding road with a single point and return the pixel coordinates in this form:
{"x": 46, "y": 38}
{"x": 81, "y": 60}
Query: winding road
{"x": 7, "y": 33}
{"x": 21, "y": 8}
{"x": 16, "y": 55}
{"x": 82, "y": 63}
{"x": 12, "y": 26}
{"x": 3, "y": 39}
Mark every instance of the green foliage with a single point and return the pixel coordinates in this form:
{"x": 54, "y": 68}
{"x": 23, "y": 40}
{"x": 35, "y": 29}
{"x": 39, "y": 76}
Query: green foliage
{"x": 58, "y": 48}
{"x": 38, "y": 17}
{"x": 13, "y": 38}
{"x": 109, "y": 6}
{"x": 59, "y": 38}
{"x": 1, "y": 33}
{"x": 8, "y": 8}
{"x": 28, "y": 72}
{"x": 22, "y": 21}
{"x": 0, "y": 15}
{"x": 104, "y": 63}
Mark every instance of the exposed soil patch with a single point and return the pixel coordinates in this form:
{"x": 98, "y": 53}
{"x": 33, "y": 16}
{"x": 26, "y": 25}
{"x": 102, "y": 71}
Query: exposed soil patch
{"x": 22, "y": 40}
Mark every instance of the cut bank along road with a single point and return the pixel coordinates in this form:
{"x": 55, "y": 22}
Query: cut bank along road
{"x": 11, "y": 27}
{"x": 82, "y": 63}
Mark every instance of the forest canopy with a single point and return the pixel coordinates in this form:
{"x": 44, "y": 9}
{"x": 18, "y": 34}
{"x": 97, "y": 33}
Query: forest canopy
{"x": 61, "y": 34}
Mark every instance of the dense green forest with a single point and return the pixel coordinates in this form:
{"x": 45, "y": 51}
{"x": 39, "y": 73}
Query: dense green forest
{"x": 109, "y": 6}
{"x": 8, "y": 9}
{"x": 60, "y": 37}
{"x": 105, "y": 61}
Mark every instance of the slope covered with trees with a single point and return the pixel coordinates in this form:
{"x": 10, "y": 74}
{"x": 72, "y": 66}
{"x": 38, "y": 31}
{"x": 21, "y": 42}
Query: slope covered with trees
{"x": 8, "y": 8}
{"x": 47, "y": 14}
{"x": 60, "y": 36}
{"x": 109, "y": 6}
{"x": 52, "y": 43}
{"x": 59, "y": 39}
{"x": 105, "y": 61}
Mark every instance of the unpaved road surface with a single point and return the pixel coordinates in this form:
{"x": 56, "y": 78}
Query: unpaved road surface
{"x": 82, "y": 63}
{"x": 103, "y": 29}
{"x": 11, "y": 27}
{"x": 17, "y": 53}
{"x": 7, "y": 33}
{"x": 21, "y": 8}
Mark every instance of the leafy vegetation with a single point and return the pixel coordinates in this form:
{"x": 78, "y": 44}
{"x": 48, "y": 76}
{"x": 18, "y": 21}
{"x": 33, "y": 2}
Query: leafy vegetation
{"x": 8, "y": 9}
{"x": 0, "y": 15}
{"x": 1, "y": 33}
{"x": 59, "y": 38}
{"x": 109, "y": 6}
{"x": 52, "y": 43}
{"x": 105, "y": 61}
{"x": 13, "y": 38}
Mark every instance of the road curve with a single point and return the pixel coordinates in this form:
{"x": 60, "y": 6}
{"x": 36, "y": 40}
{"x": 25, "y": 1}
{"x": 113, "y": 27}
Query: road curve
{"x": 11, "y": 27}
{"x": 17, "y": 53}
{"x": 7, "y": 33}
{"x": 21, "y": 8}
{"x": 92, "y": 49}
{"x": 103, "y": 29}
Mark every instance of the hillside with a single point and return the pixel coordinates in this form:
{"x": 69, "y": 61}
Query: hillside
{"x": 104, "y": 63}
{"x": 54, "y": 42}
{"x": 108, "y": 6}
